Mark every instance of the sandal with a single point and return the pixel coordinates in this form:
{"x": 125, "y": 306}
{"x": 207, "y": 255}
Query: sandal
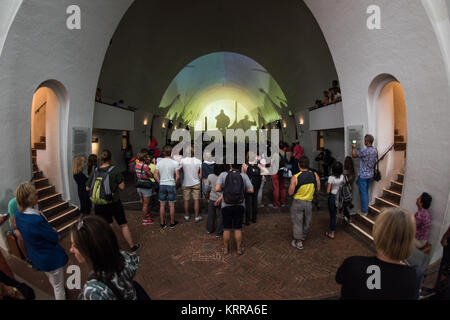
{"x": 241, "y": 251}
{"x": 329, "y": 235}
{"x": 226, "y": 251}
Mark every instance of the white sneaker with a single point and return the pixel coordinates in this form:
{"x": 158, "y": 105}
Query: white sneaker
{"x": 198, "y": 219}
{"x": 187, "y": 218}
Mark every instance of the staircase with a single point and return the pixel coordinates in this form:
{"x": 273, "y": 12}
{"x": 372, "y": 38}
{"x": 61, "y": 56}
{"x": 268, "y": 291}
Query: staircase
{"x": 400, "y": 143}
{"x": 391, "y": 198}
{"x": 59, "y": 213}
{"x": 40, "y": 145}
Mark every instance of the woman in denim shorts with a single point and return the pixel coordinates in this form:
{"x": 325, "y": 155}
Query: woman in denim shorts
{"x": 143, "y": 172}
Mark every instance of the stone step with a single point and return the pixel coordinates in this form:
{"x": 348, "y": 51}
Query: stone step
{"x": 40, "y": 146}
{"x": 41, "y": 182}
{"x": 55, "y": 208}
{"x": 386, "y": 202}
{"x": 64, "y": 216}
{"x": 396, "y": 186}
{"x": 44, "y": 191}
{"x": 49, "y": 200}
{"x": 64, "y": 228}
{"x": 362, "y": 231}
{"x": 399, "y": 138}
{"x": 37, "y": 174}
{"x": 400, "y": 178}
{"x": 400, "y": 146}
{"x": 35, "y": 167}
{"x": 392, "y": 196}
{"x": 365, "y": 222}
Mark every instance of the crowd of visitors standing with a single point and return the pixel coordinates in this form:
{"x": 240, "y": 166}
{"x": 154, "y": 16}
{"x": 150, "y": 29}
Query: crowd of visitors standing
{"x": 233, "y": 194}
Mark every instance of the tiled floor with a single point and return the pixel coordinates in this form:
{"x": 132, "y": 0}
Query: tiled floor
{"x": 187, "y": 263}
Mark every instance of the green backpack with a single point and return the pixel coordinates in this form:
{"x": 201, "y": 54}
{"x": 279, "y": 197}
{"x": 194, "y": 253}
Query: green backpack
{"x": 100, "y": 192}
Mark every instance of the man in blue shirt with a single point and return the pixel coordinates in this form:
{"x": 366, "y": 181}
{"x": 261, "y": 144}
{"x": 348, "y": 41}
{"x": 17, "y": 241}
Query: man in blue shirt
{"x": 369, "y": 157}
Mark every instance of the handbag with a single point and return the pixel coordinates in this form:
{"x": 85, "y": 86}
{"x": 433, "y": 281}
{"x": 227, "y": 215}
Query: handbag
{"x": 376, "y": 172}
{"x": 143, "y": 183}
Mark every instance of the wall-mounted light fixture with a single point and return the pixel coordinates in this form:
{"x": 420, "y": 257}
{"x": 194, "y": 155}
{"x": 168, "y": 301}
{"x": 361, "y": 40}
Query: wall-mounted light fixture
{"x": 301, "y": 122}
{"x": 284, "y": 124}
{"x": 163, "y": 125}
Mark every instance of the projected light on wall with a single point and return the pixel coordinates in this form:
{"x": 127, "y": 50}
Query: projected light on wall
{"x": 234, "y": 83}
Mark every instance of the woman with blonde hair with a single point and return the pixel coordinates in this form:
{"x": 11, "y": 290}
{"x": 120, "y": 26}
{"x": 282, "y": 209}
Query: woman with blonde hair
{"x": 385, "y": 276}
{"x": 81, "y": 179}
{"x": 41, "y": 239}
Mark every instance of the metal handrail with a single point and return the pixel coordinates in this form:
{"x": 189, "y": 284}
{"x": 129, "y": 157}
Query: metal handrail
{"x": 386, "y": 152}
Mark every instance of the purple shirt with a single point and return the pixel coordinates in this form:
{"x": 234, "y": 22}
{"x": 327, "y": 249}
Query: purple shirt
{"x": 423, "y": 224}
{"x": 369, "y": 158}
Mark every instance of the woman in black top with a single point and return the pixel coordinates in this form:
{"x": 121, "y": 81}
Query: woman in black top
{"x": 385, "y": 276}
{"x": 81, "y": 179}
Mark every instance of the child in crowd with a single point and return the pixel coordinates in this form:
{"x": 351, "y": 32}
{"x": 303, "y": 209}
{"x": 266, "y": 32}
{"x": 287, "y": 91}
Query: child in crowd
{"x": 423, "y": 220}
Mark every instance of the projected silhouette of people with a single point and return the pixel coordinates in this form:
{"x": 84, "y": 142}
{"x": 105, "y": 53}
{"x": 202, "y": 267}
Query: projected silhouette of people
{"x": 223, "y": 121}
{"x": 246, "y": 124}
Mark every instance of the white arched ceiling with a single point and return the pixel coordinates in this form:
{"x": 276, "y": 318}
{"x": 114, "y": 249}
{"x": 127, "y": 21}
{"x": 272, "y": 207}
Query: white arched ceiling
{"x": 281, "y": 35}
{"x": 157, "y": 39}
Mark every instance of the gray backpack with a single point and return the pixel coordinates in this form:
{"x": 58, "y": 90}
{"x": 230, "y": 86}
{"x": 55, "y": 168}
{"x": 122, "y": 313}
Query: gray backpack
{"x": 100, "y": 192}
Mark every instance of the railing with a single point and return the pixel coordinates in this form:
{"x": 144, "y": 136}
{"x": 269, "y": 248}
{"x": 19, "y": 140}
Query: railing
{"x": 386, "y": 152}
{"x": 115, "y": 106}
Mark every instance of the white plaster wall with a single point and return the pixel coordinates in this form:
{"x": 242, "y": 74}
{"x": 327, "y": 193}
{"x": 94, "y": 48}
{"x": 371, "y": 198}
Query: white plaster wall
{"x": 385, "y": 120}
{"x": 407, "y": 48}
{"x": 140, "y": 137}
{"x": 111, "y": 140}
{"x": 38, "y": 120}
{"x": 334, "y": 141}
{"x": 112, "y": 118}
{"x": 8, "y": 10}
{"x": 48, "y": 160}
{"x": 37, "y": 48}
{"x": 329, "y": 117}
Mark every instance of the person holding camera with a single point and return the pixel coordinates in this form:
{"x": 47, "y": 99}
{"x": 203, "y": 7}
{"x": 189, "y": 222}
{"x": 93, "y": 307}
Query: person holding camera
{"x": 369, "y": 158}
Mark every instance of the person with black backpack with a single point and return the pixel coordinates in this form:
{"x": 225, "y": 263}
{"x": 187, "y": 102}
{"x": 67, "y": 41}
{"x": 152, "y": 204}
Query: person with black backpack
{"x": 253, "y": 171}
{"x": 103, "y": 187}
{"x": 234, "y": 184}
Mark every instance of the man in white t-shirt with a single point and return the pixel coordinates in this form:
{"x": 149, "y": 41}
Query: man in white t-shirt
{"x": 192, "y": 171}
{"x": 167, "y": 176}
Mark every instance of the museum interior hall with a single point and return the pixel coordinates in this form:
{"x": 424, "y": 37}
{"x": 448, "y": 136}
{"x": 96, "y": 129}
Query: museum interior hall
{"x": 318, "y": 79}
